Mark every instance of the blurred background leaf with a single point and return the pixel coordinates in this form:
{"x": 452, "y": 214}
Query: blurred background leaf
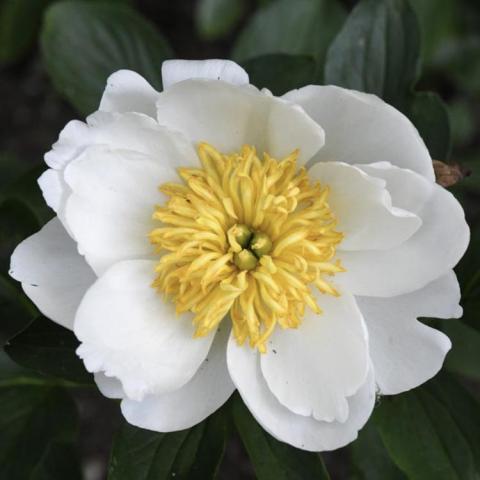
{"x": 49, "y": 349}
{"x": 464, "y": 358}
{"x": 432, "y": 432}
{"x": 193, "y": 454}
{"x": 271, "y": 459}
{"x": 440, "y": 23}
{"x": 84, "y": 42}
{"x": 32, "y": 418}
{"x": 17, "y": 311}
{"x": 59, "y": 462}
{"x": 281, "y": 72}
{"x": 377, "y": 50}
{"x": 296, "y": 27}
{"x": 217, "y": 18}
{"x": 19, "y": 25}
{"x": 429, "y": 114}
{"x": 370, "y": 458}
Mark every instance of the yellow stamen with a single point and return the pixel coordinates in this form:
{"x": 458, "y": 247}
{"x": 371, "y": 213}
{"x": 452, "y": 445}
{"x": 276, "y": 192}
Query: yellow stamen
{"x": 245, "y": 237}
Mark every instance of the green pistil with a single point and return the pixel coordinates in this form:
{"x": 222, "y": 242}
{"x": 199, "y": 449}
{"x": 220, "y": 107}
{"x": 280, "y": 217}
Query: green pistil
{"x": 245, "y": 260}
{"x": 260, "y": 244}
{"x": 243, "y": 235}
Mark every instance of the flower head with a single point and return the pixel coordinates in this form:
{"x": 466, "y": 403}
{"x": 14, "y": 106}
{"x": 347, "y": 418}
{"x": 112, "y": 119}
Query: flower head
{"x": 213, "y": 237}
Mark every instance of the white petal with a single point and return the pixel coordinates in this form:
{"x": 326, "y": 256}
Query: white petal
{"x": 130, "y": 131}
{"x": 71, "y": 142}
{"x": 129, "y": 332}
{"x": 301, "y": 432}
{"x": 174, "y": 71}
{"x": 363, "y": 208}
{"x": 110, "y": 387}
{"x": 114, "y": 193}
{"x": 229, "y": 116}
{"x": 408, "y": 190}
{"x": 431, "y": 252}
{"x": 207, "y": 391}
{"x": 127, "y": 91}
{"x": 53, "y": 274}
{"x": 311, "y": 370}
{"x": 361, "y": 128}
{"x": 53, "y": 189}
{"x": 406, "y": 353}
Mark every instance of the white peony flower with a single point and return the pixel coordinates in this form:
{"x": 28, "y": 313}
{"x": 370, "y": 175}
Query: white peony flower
{"x": 215, "y": 237}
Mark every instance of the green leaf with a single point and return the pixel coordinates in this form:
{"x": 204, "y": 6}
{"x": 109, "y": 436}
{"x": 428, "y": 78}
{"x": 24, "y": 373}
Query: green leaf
{"x": 429, "y": 114}
{"x": 83, "y": 43}
{"x": 468, "y": 268}
{"x": 464, "y": 409}
{"x": 16, "y": 311}
{"x": 271, "y": 459}
{"x": 424, "y": 436}
{"x": 49, "y": 349}
{"x": 18, "y": 222}
{"x": 377, "y": 50}
{"x": 461, "y": 62}
{"x": 12, "y": 374}
{"x": 19, "y": 25}
{"x": 280, "y": 72}
{"x": 24, "y": 189}
{"x": 464, "y": 358}
{"x": 370, "y": 458}
{"x": 462, "y": 119}
{"x": 22, "y": 210}
{"x": 296, "y": 27}
{"x": 439, "y": 22}
{"x": 60, "y": 462}
{"x": 32, "y": 418}
{"x": 216, "y": 18}
{"x": 193, "y": 454}
{"x": 10, "y": 168}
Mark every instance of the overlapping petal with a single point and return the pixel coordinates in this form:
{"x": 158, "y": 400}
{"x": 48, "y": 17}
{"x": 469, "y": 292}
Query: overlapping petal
{"x": 363, "y": 208}
{"x": 127, "y": 131}
{"x": 230, "y": 116}
{"x": 110, "y": 387}
{"x": 361, "y": 128}
{"x": 297, "y": 430}
{"x": 53, "y": 274}
{"x": 109, "y": 210}
{"x": 312, "y": 370}
{"x": 433, "y": 250}
{"x": 129, "y": 332}
{"x": 174, "y": 71}
{"x": 127, "y": 91}
{"x": 207, "y": 391}
{"x": 405, "y": 352}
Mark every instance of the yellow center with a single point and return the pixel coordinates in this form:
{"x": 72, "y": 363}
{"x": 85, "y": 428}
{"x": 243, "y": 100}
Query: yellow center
{"x": 248, "y": 237}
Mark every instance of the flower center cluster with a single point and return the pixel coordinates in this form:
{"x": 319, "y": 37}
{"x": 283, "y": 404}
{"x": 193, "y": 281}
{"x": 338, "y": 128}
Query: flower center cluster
{"x": 248, "y": 246}
{"x": 248, "y": 237}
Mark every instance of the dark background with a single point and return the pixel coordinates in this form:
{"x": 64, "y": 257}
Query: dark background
{"x": 32, "y": 114}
